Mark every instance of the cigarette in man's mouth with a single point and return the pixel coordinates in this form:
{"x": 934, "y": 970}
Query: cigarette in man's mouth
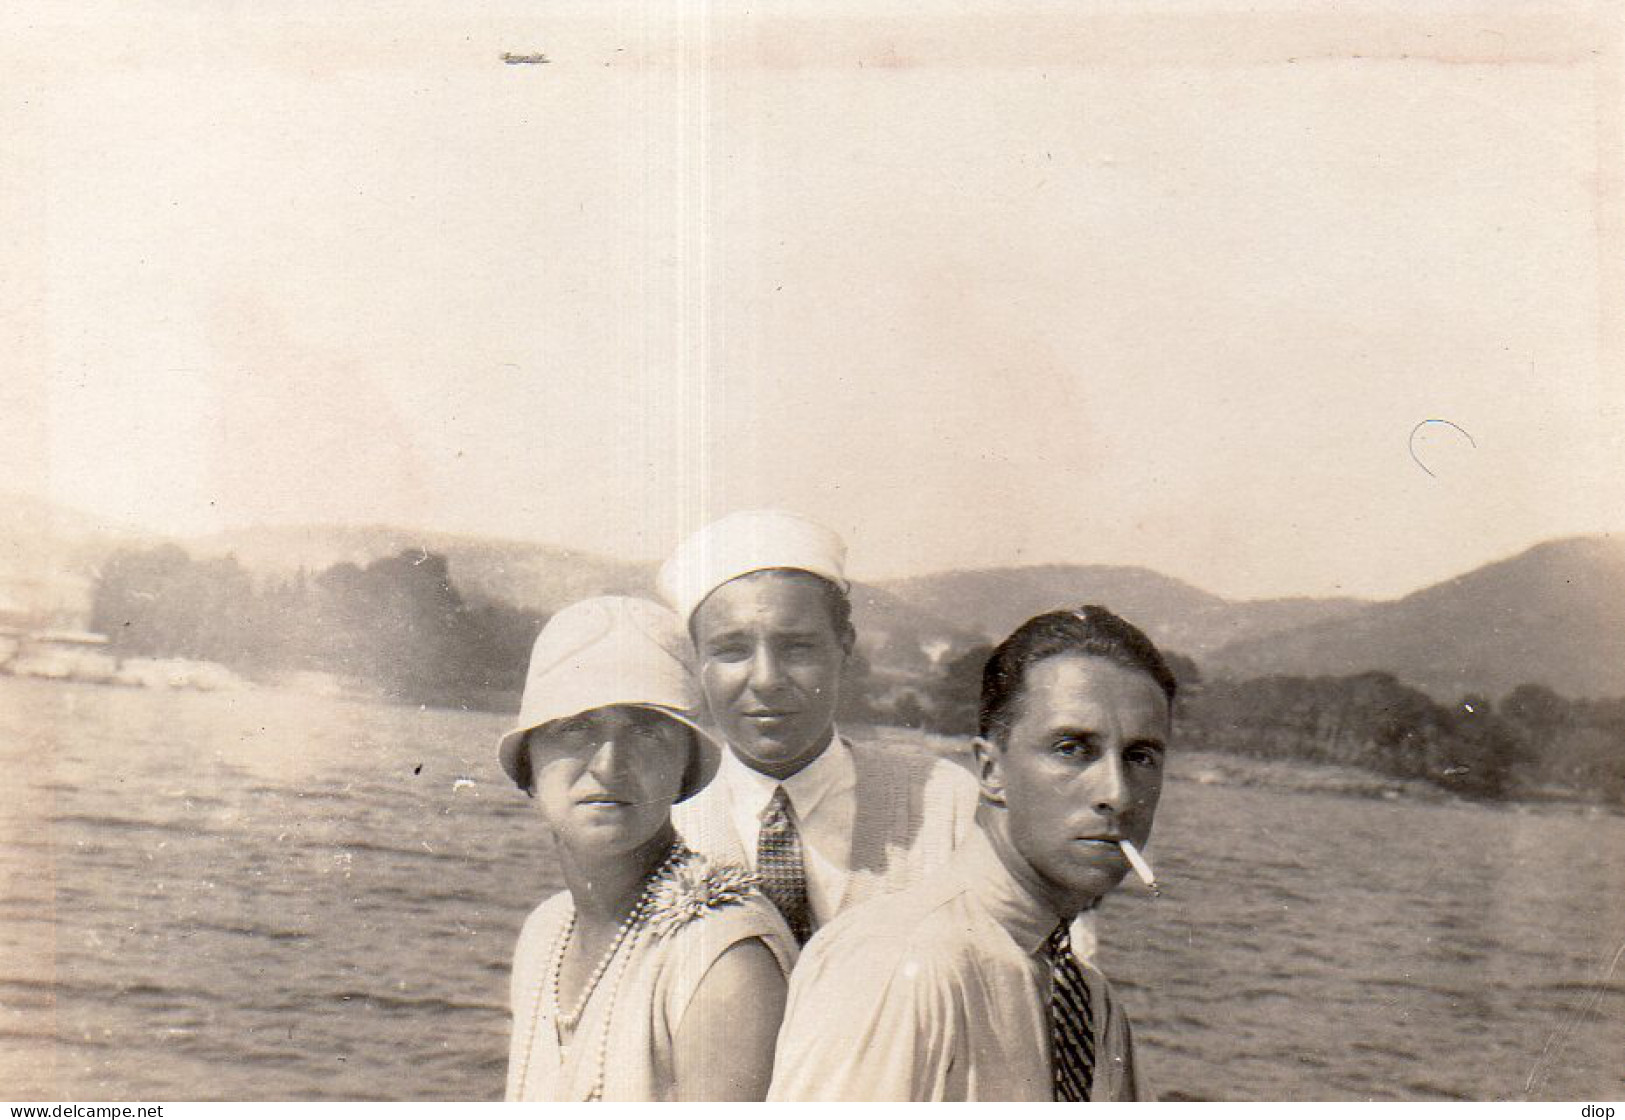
{"x": 1141, "y": 867}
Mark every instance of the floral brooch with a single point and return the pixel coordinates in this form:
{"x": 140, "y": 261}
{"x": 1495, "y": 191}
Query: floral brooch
{"x": 693, "y": 887}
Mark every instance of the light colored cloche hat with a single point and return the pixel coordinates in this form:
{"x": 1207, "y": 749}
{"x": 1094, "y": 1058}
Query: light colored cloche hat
{"x": 611, "y": 651}
{"x": 745, "y": 542}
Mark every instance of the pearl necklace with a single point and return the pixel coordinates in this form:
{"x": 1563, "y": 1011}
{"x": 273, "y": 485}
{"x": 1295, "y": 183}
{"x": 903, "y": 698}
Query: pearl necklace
{"x": 625, "y": 937}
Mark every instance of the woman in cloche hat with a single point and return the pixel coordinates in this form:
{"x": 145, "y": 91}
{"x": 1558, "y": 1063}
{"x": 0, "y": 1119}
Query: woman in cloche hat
{"x": 656, "y": 975}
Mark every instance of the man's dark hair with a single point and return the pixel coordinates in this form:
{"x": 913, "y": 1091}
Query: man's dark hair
{"x": 1086, "y": 632}
{"x": 835, "y": 601}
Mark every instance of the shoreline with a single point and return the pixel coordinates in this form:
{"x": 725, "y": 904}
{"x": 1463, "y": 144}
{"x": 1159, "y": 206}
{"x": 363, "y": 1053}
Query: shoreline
{"x": 1193, "y": 764}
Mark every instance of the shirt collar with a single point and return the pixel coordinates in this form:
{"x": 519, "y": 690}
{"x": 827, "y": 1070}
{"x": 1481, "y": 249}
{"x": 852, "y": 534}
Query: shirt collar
{"x": 1027, "y": 920}
{"x": 805, "y": 789}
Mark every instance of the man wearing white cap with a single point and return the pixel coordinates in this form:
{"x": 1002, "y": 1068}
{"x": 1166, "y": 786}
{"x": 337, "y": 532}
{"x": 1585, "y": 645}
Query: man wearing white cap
{"x": 826, "y": 822}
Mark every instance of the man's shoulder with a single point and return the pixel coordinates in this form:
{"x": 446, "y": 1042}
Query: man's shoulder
{"x": 911, "y": 763}
{"x": 921, "y": 924}
{"x": 704, "y": 820}
{"x": 912, "y": 810}
{"x": 712, "y": 798}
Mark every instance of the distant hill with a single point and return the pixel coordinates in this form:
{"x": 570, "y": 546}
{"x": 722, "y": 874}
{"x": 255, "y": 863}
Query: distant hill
{"x": 992, "y": 602}
{"x": 897, "y": 635}
{"x": 1554, "y": 615}
{"x": 525, "y": 574}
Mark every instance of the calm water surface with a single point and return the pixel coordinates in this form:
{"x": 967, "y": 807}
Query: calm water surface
{"x": 268, "y": 896}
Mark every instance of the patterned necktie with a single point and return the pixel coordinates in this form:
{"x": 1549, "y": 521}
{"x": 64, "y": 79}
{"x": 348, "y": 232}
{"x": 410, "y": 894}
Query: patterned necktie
{"x": 1071, "y": 1021}
{"x": 778, "y": 861}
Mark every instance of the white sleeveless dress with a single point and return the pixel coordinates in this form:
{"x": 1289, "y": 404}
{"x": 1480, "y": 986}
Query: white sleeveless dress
{"x": 622, "y": 1049}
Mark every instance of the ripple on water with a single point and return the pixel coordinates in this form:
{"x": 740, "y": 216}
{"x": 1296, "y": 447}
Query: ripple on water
{"x": 1285, "y": 961}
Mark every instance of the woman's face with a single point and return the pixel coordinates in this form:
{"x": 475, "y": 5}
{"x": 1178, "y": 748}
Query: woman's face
{"x": 605, "y": 780}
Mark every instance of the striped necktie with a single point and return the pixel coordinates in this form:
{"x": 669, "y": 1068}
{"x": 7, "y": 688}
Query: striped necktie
{"x": 778, "y": 862}
{"x": 1071, "y": 1020}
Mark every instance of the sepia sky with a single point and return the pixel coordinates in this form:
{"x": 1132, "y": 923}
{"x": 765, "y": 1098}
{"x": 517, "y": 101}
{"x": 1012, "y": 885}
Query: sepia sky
{"x": 1159, "y": 284}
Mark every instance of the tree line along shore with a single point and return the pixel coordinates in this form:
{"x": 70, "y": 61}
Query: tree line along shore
{"x": 400, "y": 628}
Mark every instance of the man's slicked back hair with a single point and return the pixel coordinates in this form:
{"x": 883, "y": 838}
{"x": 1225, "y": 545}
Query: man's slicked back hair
{"x": 1086, "y": 632}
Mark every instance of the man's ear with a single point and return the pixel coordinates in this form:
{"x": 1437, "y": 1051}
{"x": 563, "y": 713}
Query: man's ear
{"x": 989, "y": 769}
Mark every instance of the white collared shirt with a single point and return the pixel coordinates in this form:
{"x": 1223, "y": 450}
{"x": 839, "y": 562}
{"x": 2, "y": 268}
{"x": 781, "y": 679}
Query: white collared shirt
{"x": 822, "y": 804}
{"x": 940, "y": 993}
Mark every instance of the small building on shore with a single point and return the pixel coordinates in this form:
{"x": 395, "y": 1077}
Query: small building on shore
{"x": 80, "y": 655}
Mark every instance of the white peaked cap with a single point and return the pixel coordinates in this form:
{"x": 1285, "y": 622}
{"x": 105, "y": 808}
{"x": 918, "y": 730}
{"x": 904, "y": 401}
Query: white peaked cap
{"x": 604, "y": 652}
{"x": 749, "y": 541}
